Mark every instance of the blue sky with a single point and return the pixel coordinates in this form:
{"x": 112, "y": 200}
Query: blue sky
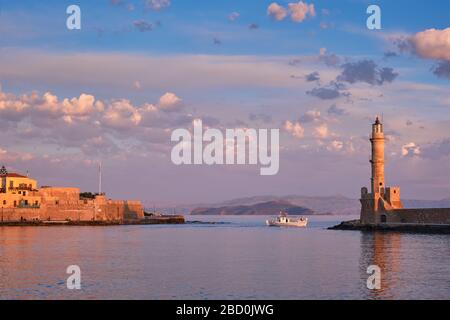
{"x": 250, "y": 71}
{"x": 188, "y": 26}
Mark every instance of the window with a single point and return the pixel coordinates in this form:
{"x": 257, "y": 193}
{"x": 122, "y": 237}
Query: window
{"x": 4, "y": 202}
{"x": 383, "y": 218}
{"x": 24, "y": 193}
{"x": 20, "y": 192}
{"x": 57, "y": 202}
{"x": 11, "y": 184}
{"x": 26, "y": 202}
{"x": 15, "y": 203}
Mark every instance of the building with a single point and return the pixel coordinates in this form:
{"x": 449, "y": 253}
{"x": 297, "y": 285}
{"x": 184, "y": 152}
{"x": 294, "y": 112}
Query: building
{"x": 17, "y": 191}
{"x": 22, "y": 201}
{"x": 383, "y": 204}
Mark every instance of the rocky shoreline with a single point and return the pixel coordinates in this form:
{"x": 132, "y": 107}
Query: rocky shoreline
{"x": 355, "y": 225}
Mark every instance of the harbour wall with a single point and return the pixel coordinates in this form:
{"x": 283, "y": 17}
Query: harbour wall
{"x": 418, "y": 216}
{"x": 103, "y": 210}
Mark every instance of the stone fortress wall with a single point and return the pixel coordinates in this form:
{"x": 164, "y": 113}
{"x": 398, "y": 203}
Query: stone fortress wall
{"x": 417, "y": 216}
{"x": 65, "y": 204}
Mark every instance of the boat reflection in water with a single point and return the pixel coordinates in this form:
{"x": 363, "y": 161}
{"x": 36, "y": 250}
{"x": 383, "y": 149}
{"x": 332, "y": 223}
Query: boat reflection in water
{"x": 284, "y": 221}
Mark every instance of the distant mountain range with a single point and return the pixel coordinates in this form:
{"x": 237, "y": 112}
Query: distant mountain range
{"x": 336, "y": 205}
{"x": 264, "y": 208}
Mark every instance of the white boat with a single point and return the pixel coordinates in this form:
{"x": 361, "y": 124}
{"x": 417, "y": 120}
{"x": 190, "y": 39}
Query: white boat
{"x": 284, "y": 221}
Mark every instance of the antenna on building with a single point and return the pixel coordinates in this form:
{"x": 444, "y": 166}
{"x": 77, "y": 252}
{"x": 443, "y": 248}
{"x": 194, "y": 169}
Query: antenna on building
{"x": 100, "y": 177}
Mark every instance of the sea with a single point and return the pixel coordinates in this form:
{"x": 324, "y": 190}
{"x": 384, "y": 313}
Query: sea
{"x": 222, "y": 257}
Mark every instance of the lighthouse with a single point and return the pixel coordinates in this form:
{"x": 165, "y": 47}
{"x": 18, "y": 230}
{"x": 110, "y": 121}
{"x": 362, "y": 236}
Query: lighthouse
{"x": 377, "y": 161}
{"x": 381, "y": 199}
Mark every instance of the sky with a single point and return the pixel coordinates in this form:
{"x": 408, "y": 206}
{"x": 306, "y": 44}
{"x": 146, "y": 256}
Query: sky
{"x": 115, "y": 90}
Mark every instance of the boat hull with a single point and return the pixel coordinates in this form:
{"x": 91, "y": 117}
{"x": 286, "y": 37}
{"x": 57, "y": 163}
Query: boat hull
{"x": 296, "y": 224}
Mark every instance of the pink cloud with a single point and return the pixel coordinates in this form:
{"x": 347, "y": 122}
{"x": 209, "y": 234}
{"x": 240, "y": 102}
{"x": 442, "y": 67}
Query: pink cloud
{"x": 295, "y": 129}
{"x": 276, "y": 12}
{"x": 170, "y": 102}
{"x": 300, "y": 11}
{"x": 432, "y": 44}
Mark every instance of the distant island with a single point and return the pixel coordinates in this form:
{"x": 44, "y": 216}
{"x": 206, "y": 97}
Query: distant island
{"x": 334, "y": 205}
{"x": 264, "y": 208}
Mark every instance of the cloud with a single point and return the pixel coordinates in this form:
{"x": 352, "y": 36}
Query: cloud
{"x": 143, "y": 26}
{"x": 432, "y": 44}
{"x": 87, "y": 123}
{"x": 336, "y": 111}
{"x": 390, "y": 54}
{"x": 331, "y": 91}
{"x": 121, "y": 3}
{"x": 12, "y": 157}
{"x": 233, "y": 16}
{"x": 410, "y": 149}
{"x": 330, "y": 60}
{"x": 321, "y": 131}
{"x": 310, "y": 116}
{"x": 137, "y": 85}
{"x": 276, "y": 12}
{"x": 442, "y": 69}
{"x": 437, "y": 150}
{"x": 314, "y": 76}
{"x": 170, "y": 102}
{"x": 253, "y": 26}
{"x": 16, "y": 108}
{"x": 156, "y": 4}
{"x": 300, "y": 11}
{"x": 121, "y": 115}
{"x": 366, "y": 71}
{"x": 217, "y": 41}
{"x": 295, "y": 129}
{"x": 325, "y": 93}
{"x": 387, "y": 75}
{"x": 335, "y": 145}
{"x": 260, "y": 117}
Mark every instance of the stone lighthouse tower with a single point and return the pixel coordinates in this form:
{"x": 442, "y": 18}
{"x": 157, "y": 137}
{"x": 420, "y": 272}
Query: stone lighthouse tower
{"x": 377, "y": 161}
{"x": 381, "y": 199}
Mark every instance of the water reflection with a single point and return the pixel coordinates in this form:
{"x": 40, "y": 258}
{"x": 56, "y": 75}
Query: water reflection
{"x": 383, "y": 250}
{"x": 243, "y": 259}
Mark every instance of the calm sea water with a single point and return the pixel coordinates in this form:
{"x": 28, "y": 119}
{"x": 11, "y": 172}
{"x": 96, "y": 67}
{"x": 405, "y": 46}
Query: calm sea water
{"x": 242, "y": 259}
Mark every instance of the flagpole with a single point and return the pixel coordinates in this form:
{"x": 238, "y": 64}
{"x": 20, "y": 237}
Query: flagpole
{"x": 100, "y": 178}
